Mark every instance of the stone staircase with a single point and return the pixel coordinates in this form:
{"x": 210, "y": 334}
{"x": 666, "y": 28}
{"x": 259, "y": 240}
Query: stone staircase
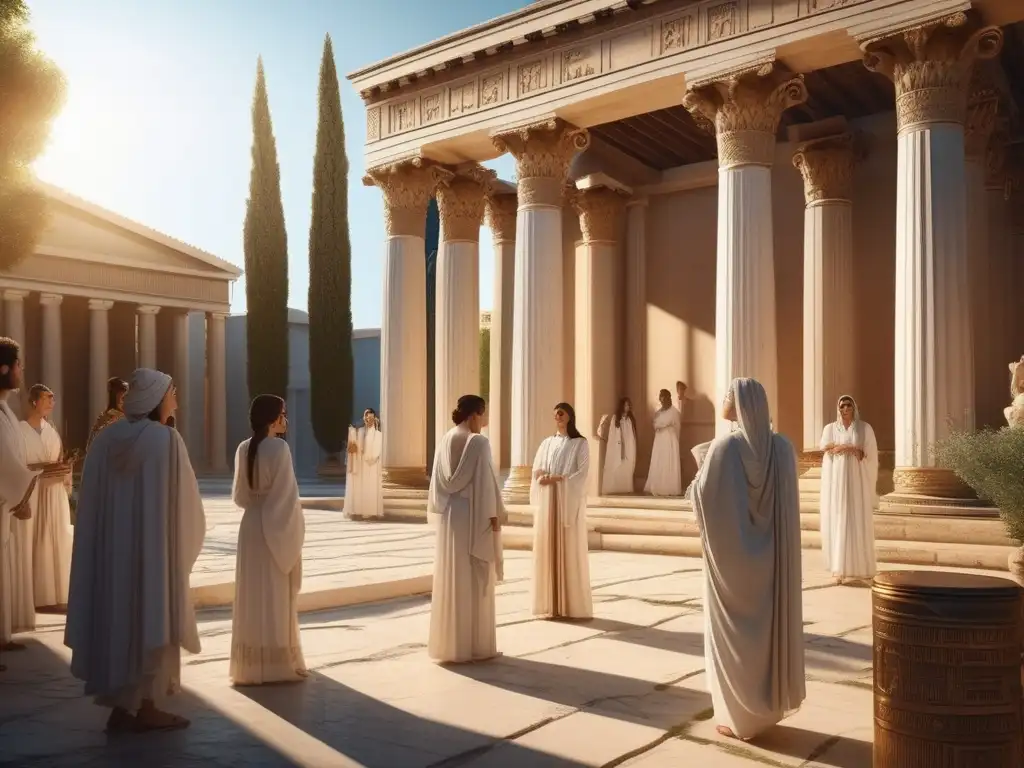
{"x": 926, "y": 535}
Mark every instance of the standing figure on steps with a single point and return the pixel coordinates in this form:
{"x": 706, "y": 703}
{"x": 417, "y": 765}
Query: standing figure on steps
{"x": 620, "y": 453}
{"x": 849, "y": 475}
{"x": 363, "y": 496}
{"x": 665, "y": 476}
{"x": 558, "y": 494}
{"x": 465, "y": 506}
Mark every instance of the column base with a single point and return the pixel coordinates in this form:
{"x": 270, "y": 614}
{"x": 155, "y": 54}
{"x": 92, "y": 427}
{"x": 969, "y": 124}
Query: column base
{"x": 919, "y": 484}
{"x": 517, "y": 486}
{"x": 404, "y": 478}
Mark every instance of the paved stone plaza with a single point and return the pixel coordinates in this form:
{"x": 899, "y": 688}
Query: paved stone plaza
{"x": 624, "y": 689}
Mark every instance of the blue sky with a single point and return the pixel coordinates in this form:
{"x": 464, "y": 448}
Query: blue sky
{"x": 157, "y": 122}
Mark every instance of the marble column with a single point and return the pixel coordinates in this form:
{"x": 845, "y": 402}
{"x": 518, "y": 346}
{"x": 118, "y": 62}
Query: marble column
{"x": 181, "y": 370}
{"x": 931, "y": 67}
{"x": 636, "y": 324}
{"x": 745, "y": 109}
{"x": 826, "y": 165}
{"x": 14, "y": 328}
{"x": 217, "y": 401}
{"x": 460, "y": 205}
{"x": 997, "y": 335}
{"x": 501, "y": 219}
{"x": 407, "y": 188}
{"x": 543, "y": 152}
{"x": 147, "y": 335}
{"x": 53, "y": 354}
{"x": 99, "y": 354}
{"x": 601, "y": 212}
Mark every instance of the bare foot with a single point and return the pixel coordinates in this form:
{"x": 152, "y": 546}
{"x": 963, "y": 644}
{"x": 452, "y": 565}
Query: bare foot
{"x": 149, "y": 718}
{"x": 12, "y": 646}
{"x": 724, "y": 730}
{"x": 120, "y": 721}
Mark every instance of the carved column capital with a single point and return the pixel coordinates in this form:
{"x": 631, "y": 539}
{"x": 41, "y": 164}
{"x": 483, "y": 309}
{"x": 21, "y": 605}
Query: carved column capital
{"x": 460, "y": 202}
{"x": 543, "y": 152}
{"x": 826, "y": 166}
{"x": 982, "y": 113}
{"x": 931, "y": 67}
{"x": 745, "y": 108}
{"x": 501, "y": 216}
{"x": 601, "y": 211}
{"x": 407, "y": 187}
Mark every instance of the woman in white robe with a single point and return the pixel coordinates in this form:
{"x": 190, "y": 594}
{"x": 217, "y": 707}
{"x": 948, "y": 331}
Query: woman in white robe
{"x": 558, "y": 494}
{"x": 464, "y": 504}
{"x": 363, "y": 495}
{"x": 265, "y": 643}
{"x": 748, "y": 510}
{"x": 665, "y": 476}
{"x": 51, "y": 510}
{"x": 620, "y": 451}
{"x": 849, "y": 476}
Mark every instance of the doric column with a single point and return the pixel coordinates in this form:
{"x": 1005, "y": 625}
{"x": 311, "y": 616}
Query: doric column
{"x": 745, "y": 109}
{"x": 543, "y": 152}
{"x": 147, "y": 335}
{"x": 99, "y": 354}
{"x": 460, "y": 205}
{"x": 181, "y": 371}
{"x": 501, "y": 219}
{"x": 931, "y": 67}
{"x": 636, "y": 325}
{"x": 53, "y": 354}
{"x": 407, "y": 188}
{"x": 826, "y": 166}
{"x": 217, "y": 400}
{"x": 601, "y": 212}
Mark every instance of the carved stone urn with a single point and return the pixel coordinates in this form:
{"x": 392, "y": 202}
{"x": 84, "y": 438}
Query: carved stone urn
{"x": 1016, "y": 565}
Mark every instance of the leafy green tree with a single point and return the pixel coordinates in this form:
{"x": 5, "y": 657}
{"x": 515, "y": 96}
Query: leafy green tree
{"x": 330, "y": 272}
{"x": 33, "y": 93}
{"x": 266, "y": 257}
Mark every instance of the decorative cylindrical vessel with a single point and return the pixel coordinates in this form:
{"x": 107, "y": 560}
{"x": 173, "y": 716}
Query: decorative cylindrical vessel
{"x": 947, "y": 669}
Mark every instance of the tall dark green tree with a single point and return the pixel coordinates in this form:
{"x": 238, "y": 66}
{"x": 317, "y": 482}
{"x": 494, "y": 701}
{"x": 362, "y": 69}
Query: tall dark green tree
{"x": 266, "y": 257}
{"x": 330, "y": 272}
{"x": 32, "y": 91}
{"x": 432, "y": 238}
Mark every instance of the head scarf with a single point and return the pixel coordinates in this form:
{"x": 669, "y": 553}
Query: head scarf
{"x": 858, "y": 433}
{"x": 146, "y": 390}
{"x": 755, "y": 423}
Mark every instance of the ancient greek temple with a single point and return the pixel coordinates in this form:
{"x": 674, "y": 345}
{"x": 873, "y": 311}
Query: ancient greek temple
{"x": 822, "y": 194}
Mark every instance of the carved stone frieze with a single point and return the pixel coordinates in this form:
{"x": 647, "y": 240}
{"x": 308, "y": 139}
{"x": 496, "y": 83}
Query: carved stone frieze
{"x": 826, "y": 166}
{"x": 982, "y": 111}
{"x": 543, "y": 152}
{"x": 501, "y": 216}
{"x": 460, "y": 202}
{"x": 745, "y": 108}
{"x": 931, "y": 67}
{"x": 407, "y": 187}
{"x": 601, "y": 212}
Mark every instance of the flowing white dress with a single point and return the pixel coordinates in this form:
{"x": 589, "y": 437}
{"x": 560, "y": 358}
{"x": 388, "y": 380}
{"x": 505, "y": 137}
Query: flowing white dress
{"x": 561, "y": 565}
{"x": 363, "y": 495}
{"x": 665, "y": 476}
{"x": 848, "y": 493}
{"x": 748, "y": 509}
{"x": 265, "y": 643}
{"x": 464, "y": 498}
{"x": 15, "y": 478}
{"x": 51, "y": 515}
{"x": 619, "y": 458}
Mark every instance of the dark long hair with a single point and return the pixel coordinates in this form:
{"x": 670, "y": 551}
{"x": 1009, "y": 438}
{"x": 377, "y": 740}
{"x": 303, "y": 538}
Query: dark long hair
{"x": 10, "y": 351}
{"x": 264, "y": 411}
{"x": 467, "y": 407}
{"x": 621, "y": 411}
{"x": 115, "y": 387}
{"x": 570, "y": 428}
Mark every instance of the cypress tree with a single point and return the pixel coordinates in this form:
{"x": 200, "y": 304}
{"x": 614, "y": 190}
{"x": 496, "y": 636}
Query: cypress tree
{"x": 266, "y": 258}
{"x": 330, "y": 272}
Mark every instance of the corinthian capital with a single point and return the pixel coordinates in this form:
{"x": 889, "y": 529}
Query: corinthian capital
{"x": 931, "y": 67}
{"x": 826, "y": 166}
{"x": 407, "y": 187}
{"x": 745, "y": 108}
{"x": 501, "y": 216}
{"x": 543, "y": 152}
{"x": 601, "y": 211}
{"x": 460, "y": 202}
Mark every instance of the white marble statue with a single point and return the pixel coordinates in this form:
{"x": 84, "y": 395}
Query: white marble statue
{"x": 1014, "y": 412}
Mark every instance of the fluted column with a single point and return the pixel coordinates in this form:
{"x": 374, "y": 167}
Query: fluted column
{"x": 181, "y": 371}
{"x": 636, "y": 324}
{"x": 99, "y": 353}
{"x": 14, "y": 327}
{"x": 501, "y": 219}
{"x": 53, "y": 354}
{"x": 826, "y": 166}
{"x": 217, "y": 402}
{"x": 407, "y": 188}
{"x": 543, "y": 152}
{"x": 601, "y": 213}
{"x": 931, "y": 67}
{"x": 147, "y": 335}
{"x": 745, "y": 109}
{"x": 460, "y": 205}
